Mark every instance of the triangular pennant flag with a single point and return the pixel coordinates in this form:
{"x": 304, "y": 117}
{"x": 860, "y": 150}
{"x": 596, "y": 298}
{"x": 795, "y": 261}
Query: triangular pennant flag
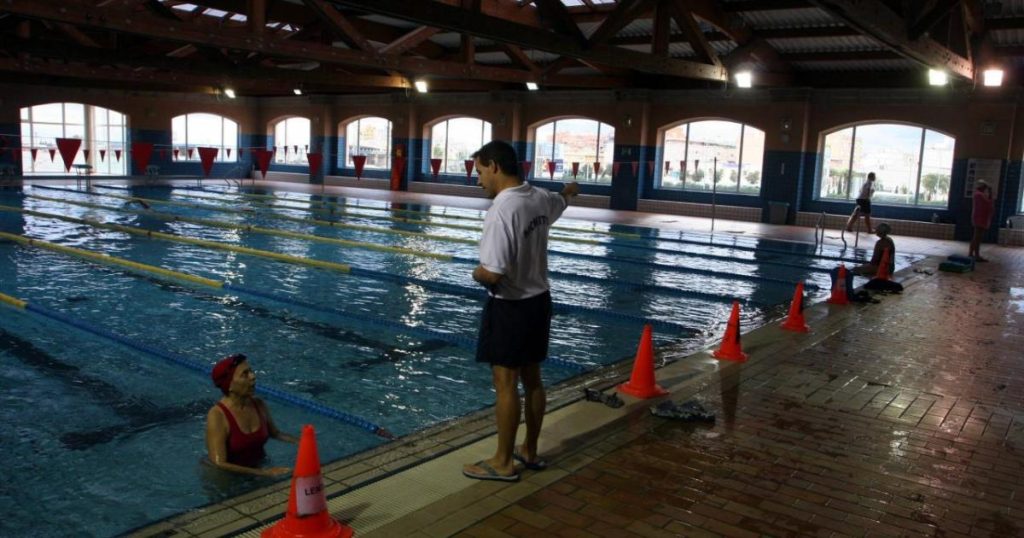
{"x": 468, "y": 163}
{"x": 285, "y": 151}
{"x": 295, "y": 150}
{"x": 190, "y": 151}
{"x": 615, "y": 168}
{"x": 228, "y": 150}
{"x": 307, "y": 148}
{"x": 103, "y": 153}
{"x": 85, "y": 155}
{"x": 262, "y": 157}
{"x": 141, "y": 152}
{"x": 52, "y": 153}
{"x": 575, "y": 169}
{"x": 241, "y": 152}
{"x": 68, "y": 149}
{"x": 526, "y": 166}
{"x": 682, "y": 170}
{"x": 650, "y": 168}
{"x": 597, "y": 168}
{"x": 177, "y": 152}
{"x": 668, "y": 167}
{"x": 314, "y": 160}
{"x": 117, "y": 155}
{"x": 34, "y": 152}
{"x": 551, "y": 169}
{"x": 206, "y": 157}
{"x": 360, "y": 162}
{"x": 435, "y": 166}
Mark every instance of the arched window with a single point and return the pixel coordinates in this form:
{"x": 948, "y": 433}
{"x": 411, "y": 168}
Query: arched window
{"x": 582, "y": 141}
{"x": 730, "y": 152}
{"x": 291, "y": 137}
{"x": 454, "y": 140}
{"x": 370, "y": 136}
{"x": 912, "y": 165}
{"x": 191, "y": 131}
{"x": 100, "y": 129}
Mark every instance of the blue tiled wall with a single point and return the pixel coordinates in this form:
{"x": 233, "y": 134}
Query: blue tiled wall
{"x": 10, "y": 142}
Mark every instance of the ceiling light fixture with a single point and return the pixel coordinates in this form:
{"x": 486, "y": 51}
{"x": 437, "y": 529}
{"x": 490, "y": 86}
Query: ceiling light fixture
{"x": 993, "y": 77}
{"x": 532, "y": 86}
{"x": 937, "y": 78}
{"x": 229, "y": 92}
{"x": 744, "y": 79}
{"x": 421, "y": 86}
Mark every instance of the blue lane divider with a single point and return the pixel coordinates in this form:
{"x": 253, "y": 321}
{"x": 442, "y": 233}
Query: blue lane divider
{"x": 710, "y": 243}
{"x": 203, "y": 369}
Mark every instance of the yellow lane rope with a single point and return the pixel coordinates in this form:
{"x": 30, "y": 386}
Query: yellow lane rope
{"x": 312, "y": 221}
{"x": 13, "y": 301}
{"x": 340, "y": 267}
{"x": 110, "y": 260}
{"x": 256, "y": 229}
{"x": 321, "y": 211}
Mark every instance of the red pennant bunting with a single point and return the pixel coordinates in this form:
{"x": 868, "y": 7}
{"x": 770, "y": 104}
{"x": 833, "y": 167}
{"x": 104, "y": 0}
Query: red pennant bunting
{"x": 34, "y": 152}
{"x": 285, "y": 151}
{"x": 597, "y": 168}
{"x": 241, "y": 152}
{"x": 435, "y": 166}
{"x": 190, "y": 151}
{"x": 314, "y": 160}
{"x": 103, "y": 153}
{"x": 668, "y": 167}
{"x": 551, "y": 169}
{"x": 206, "y": 157}
{"x": 262, "y": 157}
{"x": 615, "y": 168}
{"x": 52, "y": 153}
{"x": 85, "y": 155}
{"x": 468, "y": 163}
{"x": 575, "y": 169}
{"x": 650, "y": 168}
{"x": 526, "y": 166}
{"x": 177, "y": 152}
{"x": 307, "y": 148}
{"x": 295, "y": 150}
{"x": 228, "y": 150}
{"x": 360, "y": 162}
{"x": 141, "y": 152}
{"x": 68, "y": 149}
{"x": 117, "y": 155}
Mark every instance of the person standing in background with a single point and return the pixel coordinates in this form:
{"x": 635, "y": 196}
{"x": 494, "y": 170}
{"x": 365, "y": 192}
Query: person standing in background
{"x": 863, "y": 204}
{"x": 981, "y": 217}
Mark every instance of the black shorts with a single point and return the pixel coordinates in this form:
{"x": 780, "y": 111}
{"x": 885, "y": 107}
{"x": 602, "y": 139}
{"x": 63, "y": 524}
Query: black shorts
{"x": 865, "y": 205}
{"x": 515, "y": 333}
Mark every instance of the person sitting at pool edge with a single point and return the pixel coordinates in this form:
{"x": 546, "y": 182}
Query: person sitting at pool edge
{"x": 884, "y": 242}
{"x": 239, "y": 424}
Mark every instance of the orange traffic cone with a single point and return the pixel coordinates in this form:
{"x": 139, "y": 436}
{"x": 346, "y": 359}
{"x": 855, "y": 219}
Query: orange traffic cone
{"x": 307, "y": 515}
{"x": 641, "y": 384}
{"x": 795, "y": 321}
{"x": 730, "y": 348}
{"x": 883, "y": 267}
{"x": 839, "y": 288}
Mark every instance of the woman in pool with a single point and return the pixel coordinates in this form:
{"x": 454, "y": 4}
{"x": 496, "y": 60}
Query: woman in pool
{"x": 239, "y": 424}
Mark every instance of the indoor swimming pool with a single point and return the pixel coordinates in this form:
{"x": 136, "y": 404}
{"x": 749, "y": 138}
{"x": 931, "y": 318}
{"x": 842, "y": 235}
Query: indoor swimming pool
{"x": 356, "y": 315}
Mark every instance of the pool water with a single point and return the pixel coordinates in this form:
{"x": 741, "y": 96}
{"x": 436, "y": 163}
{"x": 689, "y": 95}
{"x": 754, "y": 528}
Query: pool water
{"x": 104, "y": 437}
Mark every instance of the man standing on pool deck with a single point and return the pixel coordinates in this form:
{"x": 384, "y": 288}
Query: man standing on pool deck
{"x": 863, "y": 204}
{"x": 516, "y": 321}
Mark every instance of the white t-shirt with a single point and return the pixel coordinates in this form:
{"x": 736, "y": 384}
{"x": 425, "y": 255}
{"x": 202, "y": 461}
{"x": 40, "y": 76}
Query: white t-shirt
{"x": 866, "y": 190}
{"x": 515, "y": 239}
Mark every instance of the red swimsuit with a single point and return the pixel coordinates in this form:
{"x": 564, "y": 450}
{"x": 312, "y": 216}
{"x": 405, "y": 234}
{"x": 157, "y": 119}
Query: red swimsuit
{"x": 245, "y": 448}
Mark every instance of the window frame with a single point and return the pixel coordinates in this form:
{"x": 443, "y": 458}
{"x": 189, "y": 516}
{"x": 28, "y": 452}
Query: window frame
{"x": 538, "y": 173}
{"x": 221, "y": 154}
{"x": 659, "y": 180}
{"x": 89, "y": 142}
{"x": 484, "y": 126}
{"x": 344, "y": 142}
{"x": 920, "y": 164}
{"x": 282, "y": 158}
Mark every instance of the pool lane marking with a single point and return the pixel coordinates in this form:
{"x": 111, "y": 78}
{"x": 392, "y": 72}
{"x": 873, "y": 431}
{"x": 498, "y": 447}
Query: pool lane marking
{"x": 621, "y": 284}
{"x": 191, "y": 364}
{"x": 441, "y": 287}
{"x": 249, "y": 228}
{"x": 680, "y": 269}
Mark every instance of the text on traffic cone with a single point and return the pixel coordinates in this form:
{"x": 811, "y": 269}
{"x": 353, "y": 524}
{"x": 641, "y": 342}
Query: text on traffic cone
{"x": 795, "y": 321}
{"x": 730, "y": 348}
{"x": 641, "y": 384}
{"x": 307, "y": 515}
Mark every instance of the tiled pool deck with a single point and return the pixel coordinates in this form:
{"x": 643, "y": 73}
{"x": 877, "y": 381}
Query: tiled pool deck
{"x": 901, "y": 418}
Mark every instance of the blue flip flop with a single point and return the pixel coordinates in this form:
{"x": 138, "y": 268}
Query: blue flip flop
{"x": 489, "y": 473}
{"x": 538, "y": 465}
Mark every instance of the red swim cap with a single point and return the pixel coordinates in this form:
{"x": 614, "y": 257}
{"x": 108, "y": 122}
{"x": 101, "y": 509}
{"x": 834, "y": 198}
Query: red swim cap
{"x": 224, "y": 371}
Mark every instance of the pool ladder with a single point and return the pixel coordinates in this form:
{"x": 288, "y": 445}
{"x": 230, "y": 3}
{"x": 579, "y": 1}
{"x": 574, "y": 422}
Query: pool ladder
{"x": 842, "y": 234}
